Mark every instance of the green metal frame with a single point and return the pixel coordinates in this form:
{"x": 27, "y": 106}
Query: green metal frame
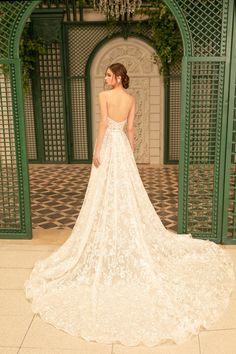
{"x": 184, "y": 148}
{"x": 168, "y": 103}
{"x": 23, "y": 226}
{"x": 166, "y": 119}
{"x": 185, "y": 177}
{"x": 68, "y": 104}
{"x": 47, "y": 24}
{"x": 229, "y": 236}
{"x": 37, "y": 107}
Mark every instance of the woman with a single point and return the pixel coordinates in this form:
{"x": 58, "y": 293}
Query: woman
{"x": 121, "y": 276}
{"x": 121, "y": 106}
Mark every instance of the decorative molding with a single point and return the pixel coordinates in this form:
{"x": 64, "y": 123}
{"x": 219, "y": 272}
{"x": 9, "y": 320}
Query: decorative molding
{"x": 136, "y": 59}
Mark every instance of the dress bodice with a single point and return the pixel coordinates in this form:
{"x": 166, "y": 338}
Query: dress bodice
{"x": 114, "y": 125}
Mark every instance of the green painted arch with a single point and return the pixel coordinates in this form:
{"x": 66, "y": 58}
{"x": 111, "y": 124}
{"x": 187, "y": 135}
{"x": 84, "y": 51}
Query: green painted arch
{"x": 19, "y": 26}
{"x": 29, "y": 6}
{"x": 175, "y": 9}
{"x": 26, "y": 8}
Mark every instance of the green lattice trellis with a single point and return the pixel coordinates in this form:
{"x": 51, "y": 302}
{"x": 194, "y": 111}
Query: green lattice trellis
{"x": 15, "y": 218}
{"x": 81, "y": 40}
{"x": 206, "y": 27}
{"x": 203, "y": 118}
{"x": 229, "y": 206}
{"x": 172, "y": 128}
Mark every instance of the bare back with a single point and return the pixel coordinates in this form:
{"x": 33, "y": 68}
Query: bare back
{"x": 118, "y": 104}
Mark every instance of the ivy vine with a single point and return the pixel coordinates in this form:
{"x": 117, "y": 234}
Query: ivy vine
{"x": 29, "y": 48}
{"x": 165, "y": 33}
{"x": 155, "y": 16}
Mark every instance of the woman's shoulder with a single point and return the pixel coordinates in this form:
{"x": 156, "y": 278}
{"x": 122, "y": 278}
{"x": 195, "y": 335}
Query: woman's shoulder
{"x": 131, "y": 98}
{"x": 129, "y": 95}
{"x": 109, "y": 93}
{"x": 102, "y": 93}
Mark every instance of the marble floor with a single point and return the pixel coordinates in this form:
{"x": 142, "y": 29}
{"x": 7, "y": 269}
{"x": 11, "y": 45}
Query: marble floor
{"x": 57, "y": 192}
{"x": 23, "y": 332}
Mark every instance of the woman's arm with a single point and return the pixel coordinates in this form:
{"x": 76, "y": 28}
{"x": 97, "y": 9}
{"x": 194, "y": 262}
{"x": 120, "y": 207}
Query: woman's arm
{"x": 102, "y": 127}
{"x": 130, "y": 124}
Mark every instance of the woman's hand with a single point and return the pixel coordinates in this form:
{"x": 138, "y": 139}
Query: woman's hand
{"x": 96, "y": 159}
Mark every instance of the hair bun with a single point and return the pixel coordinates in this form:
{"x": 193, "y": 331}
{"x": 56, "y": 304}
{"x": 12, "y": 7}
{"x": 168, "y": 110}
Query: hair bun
{"x": 125, "y": 81}
{"x": 119, "y": 70}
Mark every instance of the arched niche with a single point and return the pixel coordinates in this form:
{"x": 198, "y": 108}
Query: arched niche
{"x": 145, "y": 84}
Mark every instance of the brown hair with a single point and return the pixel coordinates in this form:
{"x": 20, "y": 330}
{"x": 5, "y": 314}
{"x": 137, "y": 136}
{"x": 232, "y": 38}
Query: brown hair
{"x": 119, "y": 70}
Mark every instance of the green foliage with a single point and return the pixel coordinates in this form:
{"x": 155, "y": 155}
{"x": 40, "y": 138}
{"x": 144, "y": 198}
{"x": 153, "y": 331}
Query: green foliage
{"x": 165, "y": 31}
{"x": 69, "y": 3}
{"x": 30, "y": 47}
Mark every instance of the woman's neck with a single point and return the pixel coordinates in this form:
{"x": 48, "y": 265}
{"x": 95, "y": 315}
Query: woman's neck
{"x": 118, "y": 88}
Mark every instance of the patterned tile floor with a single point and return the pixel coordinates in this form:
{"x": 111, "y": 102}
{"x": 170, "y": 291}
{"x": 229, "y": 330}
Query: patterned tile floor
{"x": 57, "y": 193}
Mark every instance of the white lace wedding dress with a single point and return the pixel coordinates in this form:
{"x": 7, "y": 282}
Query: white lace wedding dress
{"x": 121, "y": 276}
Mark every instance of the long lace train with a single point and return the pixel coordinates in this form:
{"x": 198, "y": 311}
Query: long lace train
{"x": 123, "y": 277}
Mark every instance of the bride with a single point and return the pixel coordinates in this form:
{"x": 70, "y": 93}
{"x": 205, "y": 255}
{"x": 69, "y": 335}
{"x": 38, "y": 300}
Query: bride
{"x": 121, "y": 276}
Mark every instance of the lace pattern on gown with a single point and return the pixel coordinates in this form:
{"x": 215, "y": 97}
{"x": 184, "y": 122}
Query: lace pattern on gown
{"x": 121, "y": 276}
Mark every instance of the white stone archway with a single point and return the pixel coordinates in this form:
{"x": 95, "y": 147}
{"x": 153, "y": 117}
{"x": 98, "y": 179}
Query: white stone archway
{"x": 145, "y": 84}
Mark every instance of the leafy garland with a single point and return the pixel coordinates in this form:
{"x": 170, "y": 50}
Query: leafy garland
{"x": 154, "y": 15}
{"x": 29, "y": 48}
{"x": 165, "y": 32}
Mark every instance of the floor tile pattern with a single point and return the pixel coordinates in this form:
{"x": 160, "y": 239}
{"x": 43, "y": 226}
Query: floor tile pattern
{"x": 57, "y": 193}
{"x": 23, "y": 332}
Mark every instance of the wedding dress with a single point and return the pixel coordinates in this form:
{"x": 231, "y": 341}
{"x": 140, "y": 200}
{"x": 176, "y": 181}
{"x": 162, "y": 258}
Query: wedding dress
{"x": 123, "y": 277}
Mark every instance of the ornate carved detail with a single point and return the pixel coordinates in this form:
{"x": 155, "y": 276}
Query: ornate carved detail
{"x": 141, "y": 91}
{"x": 137, "y": 60}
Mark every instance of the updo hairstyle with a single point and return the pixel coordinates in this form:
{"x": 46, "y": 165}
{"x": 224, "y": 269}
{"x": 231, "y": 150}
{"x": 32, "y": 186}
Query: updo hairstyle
{"x": 119, "y": 69}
